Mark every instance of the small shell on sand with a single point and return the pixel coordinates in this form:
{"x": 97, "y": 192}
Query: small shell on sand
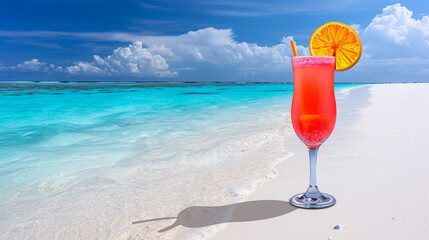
{"x": 338, "y": 227}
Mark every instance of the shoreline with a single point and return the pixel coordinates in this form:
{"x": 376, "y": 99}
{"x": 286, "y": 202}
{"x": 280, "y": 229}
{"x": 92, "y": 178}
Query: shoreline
{"x": 185, "y": 82}
{"x": 354, "y": 168}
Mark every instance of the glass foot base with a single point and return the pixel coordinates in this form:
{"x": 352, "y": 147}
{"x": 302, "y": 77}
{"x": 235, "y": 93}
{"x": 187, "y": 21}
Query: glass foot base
{"x": 324, "y": 201}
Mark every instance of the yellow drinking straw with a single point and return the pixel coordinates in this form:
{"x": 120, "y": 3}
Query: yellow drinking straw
{"x": 292, "y": 43}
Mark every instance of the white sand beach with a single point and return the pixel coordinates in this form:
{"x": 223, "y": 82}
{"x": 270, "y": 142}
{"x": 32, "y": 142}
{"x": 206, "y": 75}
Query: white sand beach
{"x": 375, "y": 163}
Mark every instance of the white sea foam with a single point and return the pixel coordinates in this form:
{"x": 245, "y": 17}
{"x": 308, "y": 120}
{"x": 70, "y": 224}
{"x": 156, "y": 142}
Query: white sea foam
{"x": 342, "y": 93}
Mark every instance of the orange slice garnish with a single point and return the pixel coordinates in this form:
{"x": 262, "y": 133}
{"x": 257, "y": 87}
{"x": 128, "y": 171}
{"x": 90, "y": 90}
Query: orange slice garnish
{"x": 338, "y": 40}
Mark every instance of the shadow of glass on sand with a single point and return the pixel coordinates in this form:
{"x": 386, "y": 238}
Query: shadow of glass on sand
{"x": 200, "y": 216}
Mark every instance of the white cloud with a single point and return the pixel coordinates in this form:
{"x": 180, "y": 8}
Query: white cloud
{"x": 395, "y": 33}
{"x": 209, "y": 45}
{"x": 132, "y": 60}
{"x": 395, "y": 47}
{"x": 33, "y": 65}
{"x": 217, "y": 46}
{"x": 396, "y": 23}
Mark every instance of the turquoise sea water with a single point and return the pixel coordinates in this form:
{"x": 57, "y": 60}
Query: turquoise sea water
{"x": 54, "y": 137}
{"x": 50, "y": 130}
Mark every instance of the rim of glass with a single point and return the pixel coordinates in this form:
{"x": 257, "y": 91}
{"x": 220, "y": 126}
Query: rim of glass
{"x": 314, "y": 57}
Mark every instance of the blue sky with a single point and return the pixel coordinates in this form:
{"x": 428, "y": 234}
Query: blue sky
{"x": 180, "y": 40}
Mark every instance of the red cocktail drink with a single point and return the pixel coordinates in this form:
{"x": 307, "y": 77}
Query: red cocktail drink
{"x": 313, "y": 106}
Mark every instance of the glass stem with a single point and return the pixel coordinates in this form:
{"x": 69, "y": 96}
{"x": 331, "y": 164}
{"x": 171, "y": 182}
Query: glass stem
{"x": 313, "y": 191}
{"x": 313, "y": 159}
